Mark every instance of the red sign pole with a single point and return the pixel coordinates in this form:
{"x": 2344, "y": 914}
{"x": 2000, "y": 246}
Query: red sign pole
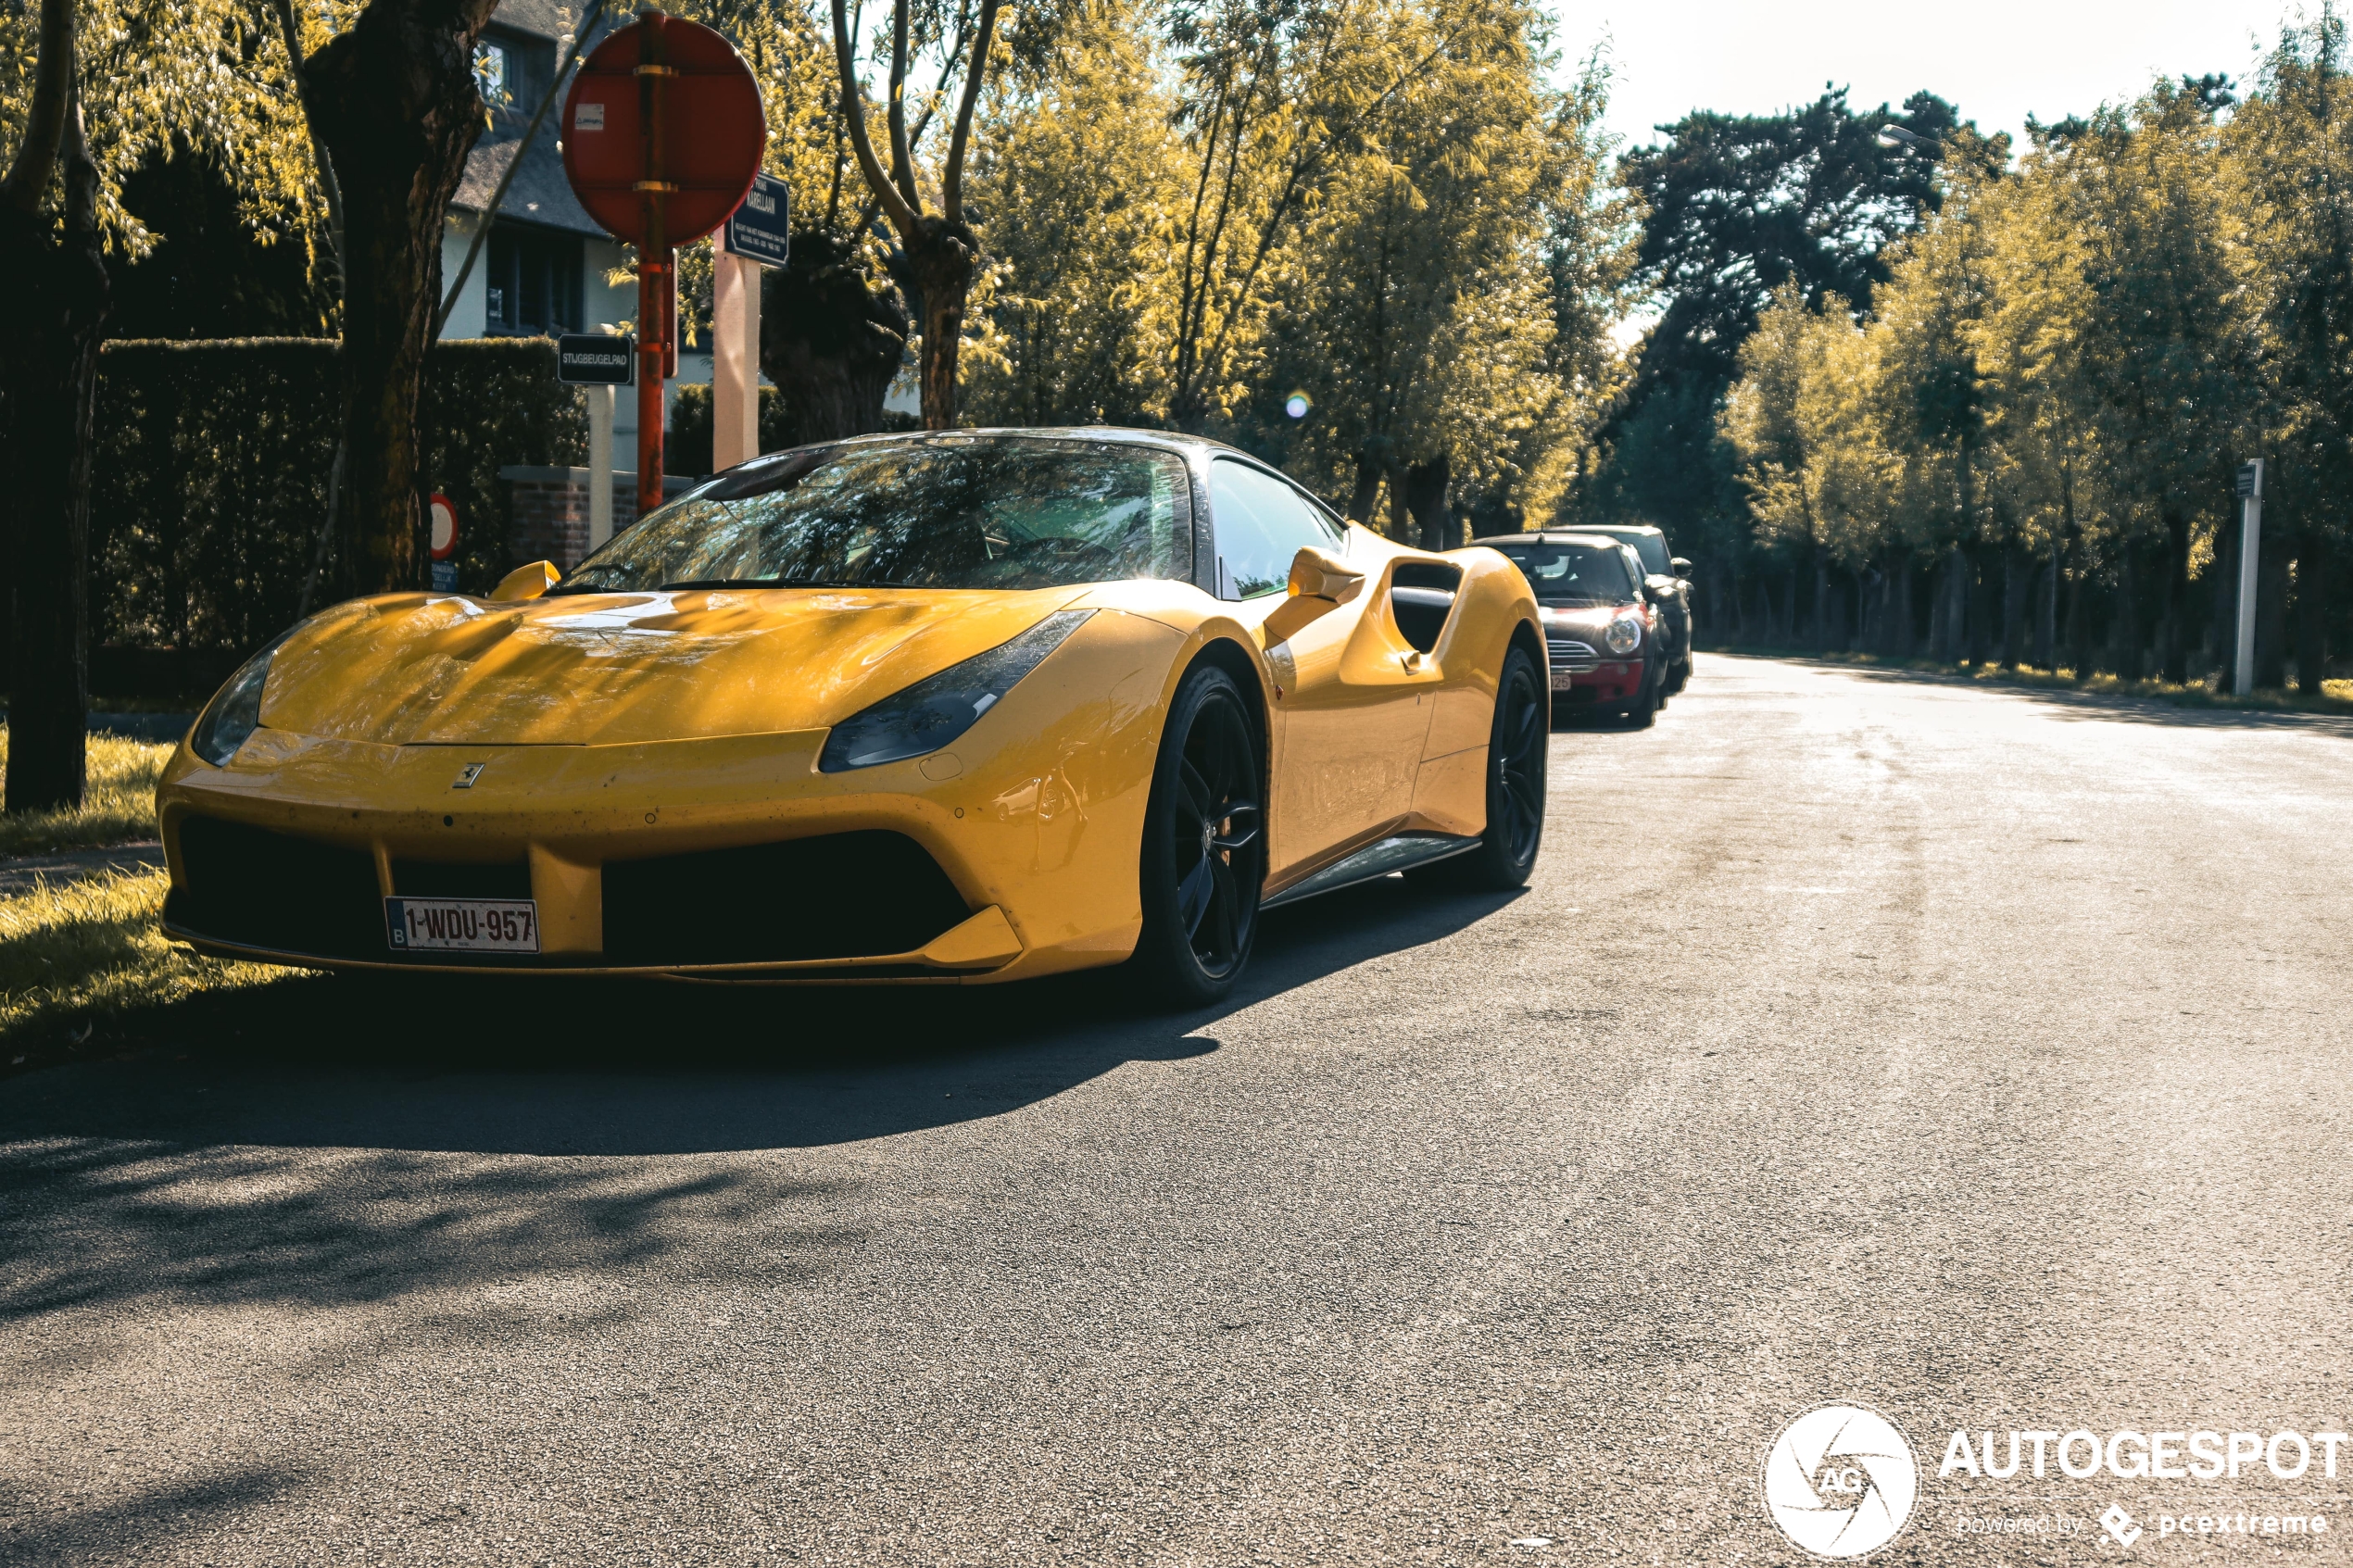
{"x": 655, "y": 259}
{"x": 664, "y": 135}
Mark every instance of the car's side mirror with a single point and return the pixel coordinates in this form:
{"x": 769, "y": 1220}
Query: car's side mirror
{"x": 527, "y": 581}
{"x": 1682, "y": 567}
{"x": 1320, "y": 582}
{"x": 1319, "y": 574}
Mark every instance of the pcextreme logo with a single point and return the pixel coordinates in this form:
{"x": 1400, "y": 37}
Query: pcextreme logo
{"x": 1840, "y": 1481}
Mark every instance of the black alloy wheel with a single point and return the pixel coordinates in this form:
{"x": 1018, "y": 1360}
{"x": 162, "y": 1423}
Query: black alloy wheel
{"x": 1517, "y": 748}
{"x": 1204, "y": 851}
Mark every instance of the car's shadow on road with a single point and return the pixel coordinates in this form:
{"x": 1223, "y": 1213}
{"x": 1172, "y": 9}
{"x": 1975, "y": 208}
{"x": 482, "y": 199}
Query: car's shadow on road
{"x": 526, "y": 1066}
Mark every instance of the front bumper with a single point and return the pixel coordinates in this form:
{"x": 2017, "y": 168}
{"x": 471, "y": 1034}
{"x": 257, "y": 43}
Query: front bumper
{"x": 1587, "y": 680}
{"x": 724, "y": 859}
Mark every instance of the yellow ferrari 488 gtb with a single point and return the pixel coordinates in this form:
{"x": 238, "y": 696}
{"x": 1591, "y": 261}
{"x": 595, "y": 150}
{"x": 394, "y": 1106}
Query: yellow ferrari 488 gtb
{"x": 971, "y": 705}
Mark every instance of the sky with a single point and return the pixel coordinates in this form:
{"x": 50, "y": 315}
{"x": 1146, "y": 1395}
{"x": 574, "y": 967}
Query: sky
{"x": 2011, "y": 58}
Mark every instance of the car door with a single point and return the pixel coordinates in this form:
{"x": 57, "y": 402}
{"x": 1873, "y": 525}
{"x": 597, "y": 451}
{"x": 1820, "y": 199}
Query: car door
{"x": 1351, "y": 712}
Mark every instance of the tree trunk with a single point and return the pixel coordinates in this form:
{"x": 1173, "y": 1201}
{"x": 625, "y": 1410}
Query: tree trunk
{"x": 48, "y": 379}
{"x": 1822, "y": 599}
{"x": 398, "y": 112}
{"x": 1896, "y": 623}
{"x": 2177, "y": 598}
{"x": 2018, "y": 583}
{"x": 1426, "y": 486}
{"x": 1367, "y": 491}
{"x": 941, "y": 262}
{"x": 2124, "y": 631}
{"x": 2079, "y": 634}
{"x": 830, "y": 340}
{"x": 2224, "y": 623}
{"x": 2047, "y": 614}
{"x": 2311, "y": 611}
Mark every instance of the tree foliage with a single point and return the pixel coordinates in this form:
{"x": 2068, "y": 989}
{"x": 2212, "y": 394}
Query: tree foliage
{"x": 2043, "y": 397}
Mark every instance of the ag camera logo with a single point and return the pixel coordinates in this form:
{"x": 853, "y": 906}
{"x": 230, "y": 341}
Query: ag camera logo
{"x": 1840, "y": 1481}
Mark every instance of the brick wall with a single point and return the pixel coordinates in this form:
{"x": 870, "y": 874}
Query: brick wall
{"x": 551, "y": 511}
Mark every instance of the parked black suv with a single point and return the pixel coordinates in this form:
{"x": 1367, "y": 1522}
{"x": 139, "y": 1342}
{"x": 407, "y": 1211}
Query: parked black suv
{"x": 1668, "y": 585}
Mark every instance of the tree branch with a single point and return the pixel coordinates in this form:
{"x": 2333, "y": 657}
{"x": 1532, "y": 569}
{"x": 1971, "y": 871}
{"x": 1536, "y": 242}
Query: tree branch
{"x": 44, "y": 127}
{"x": 328, "y": 186}
{"x": 952, "y": 182}
{"x": 902, "y": 156}
{"x": 854, "y": 114}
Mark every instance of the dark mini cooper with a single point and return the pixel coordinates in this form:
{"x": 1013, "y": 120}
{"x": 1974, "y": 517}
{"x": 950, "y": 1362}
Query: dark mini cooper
{"x": 1602, "y": 629}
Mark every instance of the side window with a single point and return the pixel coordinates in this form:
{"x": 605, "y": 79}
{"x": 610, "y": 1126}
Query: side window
{"x": 1261, "y": 524}
{"x": 1633, "y": 571}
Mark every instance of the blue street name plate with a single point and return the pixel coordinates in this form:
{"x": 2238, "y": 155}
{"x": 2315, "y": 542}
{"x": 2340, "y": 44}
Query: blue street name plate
{"x": 760, "y": 229}
{"x": 595, "y": 359}
{"x": 445, "y": 577}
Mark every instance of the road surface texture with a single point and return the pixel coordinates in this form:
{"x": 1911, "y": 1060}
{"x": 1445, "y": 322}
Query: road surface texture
{"x": 1975, "y": 1056}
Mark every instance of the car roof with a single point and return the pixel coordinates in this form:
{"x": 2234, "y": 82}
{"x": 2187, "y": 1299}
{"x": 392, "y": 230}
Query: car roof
{"x": 1171, "y": 439}
{"x": 1556, "y": 536}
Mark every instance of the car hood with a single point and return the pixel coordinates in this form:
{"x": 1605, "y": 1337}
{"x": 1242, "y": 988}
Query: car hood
{"x": 618, "y": 669}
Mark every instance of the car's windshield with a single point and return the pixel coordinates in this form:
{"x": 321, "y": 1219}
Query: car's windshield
{"x": 950, "y": 511}
{"x": 1571, "y": 574}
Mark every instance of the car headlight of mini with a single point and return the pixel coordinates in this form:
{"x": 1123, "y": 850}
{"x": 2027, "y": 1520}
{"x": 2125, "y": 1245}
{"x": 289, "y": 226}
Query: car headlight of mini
{"x": 938, "y": 708}
{"x": 235, "y": 711}
{"x": 1625, "y": 634}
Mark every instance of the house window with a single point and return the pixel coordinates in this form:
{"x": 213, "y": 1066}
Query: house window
{"x": 490, "y": 72}
{"x": 533, "y": 281}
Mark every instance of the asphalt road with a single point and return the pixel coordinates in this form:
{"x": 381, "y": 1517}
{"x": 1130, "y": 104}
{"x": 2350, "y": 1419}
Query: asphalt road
{"x": 1977, "y": 1056}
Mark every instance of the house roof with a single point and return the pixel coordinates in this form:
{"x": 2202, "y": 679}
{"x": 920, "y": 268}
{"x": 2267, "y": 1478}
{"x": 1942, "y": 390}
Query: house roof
{"x": 540, "y": 194}
{"x": 548, "y": 19}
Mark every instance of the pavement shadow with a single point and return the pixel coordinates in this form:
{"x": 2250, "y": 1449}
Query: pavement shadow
{"x": 321, "y": 1142}
{"x": 2110, "y": 706}
{"x": 618, "y": 1068}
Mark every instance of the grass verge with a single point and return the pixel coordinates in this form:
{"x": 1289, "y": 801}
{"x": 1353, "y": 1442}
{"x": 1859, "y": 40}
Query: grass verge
{"x": 77, "y": 956}
{"x": 118, "y": 806}
{"x": 2335, "y": 696}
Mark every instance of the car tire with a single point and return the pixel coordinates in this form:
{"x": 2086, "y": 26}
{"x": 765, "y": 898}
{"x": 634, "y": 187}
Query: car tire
{"x": 1682, "y": 676}
{"x": 1519, "y": 743}
{"x": 1644, "y": 710}
{"x": 1203, "y": 859}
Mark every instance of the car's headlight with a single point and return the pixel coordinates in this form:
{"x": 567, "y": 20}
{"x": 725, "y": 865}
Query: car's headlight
{"x": 1625, "y": 634}
{"x": 235, "y": 711}
{"x": 938, "y": 708}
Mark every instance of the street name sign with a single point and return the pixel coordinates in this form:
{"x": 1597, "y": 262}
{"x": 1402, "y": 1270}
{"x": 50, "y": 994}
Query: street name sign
{"x": 760, "y": 229}
{"x": 595, "y": 359}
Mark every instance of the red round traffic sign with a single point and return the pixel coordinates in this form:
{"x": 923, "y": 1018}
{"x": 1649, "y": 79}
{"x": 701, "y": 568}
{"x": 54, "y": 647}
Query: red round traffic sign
{"x": 444, "y": 526}
{"x": 696, "y": 155}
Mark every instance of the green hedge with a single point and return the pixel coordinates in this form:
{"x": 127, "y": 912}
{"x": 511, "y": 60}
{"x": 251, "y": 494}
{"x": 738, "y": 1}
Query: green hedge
{"x": 210, "y": 479}
{"x": 686, "y": 445}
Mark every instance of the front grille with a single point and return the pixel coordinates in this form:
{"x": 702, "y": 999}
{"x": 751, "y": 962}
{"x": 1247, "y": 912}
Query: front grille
{"x": 1577, "y": 659}
{"x": 838, "y": 896}
{"x": 263, "y": 889}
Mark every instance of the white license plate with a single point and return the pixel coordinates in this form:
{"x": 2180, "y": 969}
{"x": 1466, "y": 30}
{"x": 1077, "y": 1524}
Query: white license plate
{"x": 1562, "y": 680}
{"x": 463, "y": 925}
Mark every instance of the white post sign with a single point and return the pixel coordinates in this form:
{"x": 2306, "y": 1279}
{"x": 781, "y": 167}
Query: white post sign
{"x": 757, "y": 234}
{"x": 2250, "y": 488}
{"x": 599, "y": 363}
